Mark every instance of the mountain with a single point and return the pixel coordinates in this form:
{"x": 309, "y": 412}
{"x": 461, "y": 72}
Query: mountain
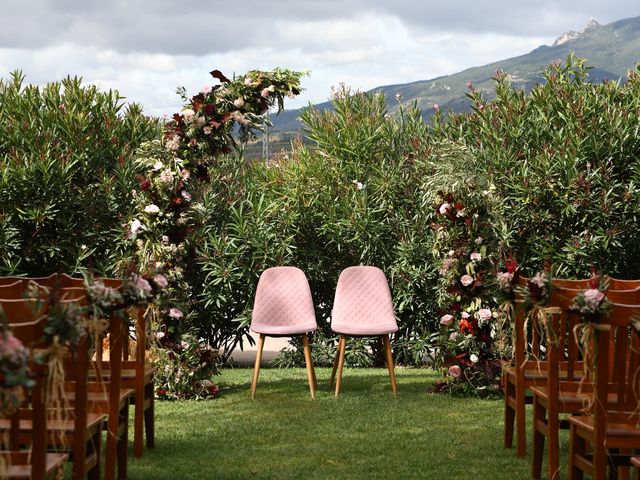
{"x": 610, "y": 49}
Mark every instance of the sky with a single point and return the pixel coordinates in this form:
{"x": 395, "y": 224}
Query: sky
{"x": 145, "y": 49}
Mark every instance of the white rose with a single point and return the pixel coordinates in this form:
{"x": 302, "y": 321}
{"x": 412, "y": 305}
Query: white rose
{"x": 151, "y": 209}
{"x": 474, "y": 358}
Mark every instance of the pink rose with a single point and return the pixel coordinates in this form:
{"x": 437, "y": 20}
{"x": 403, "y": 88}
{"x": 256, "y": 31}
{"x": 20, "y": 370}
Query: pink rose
{"x": 465, "y": 315}
{"x": 160, "y": 280}
{"x": 475, "y": 257}
{"x": 143, "y": 285}
{"x": 264, "y": 93}
{"x": 206, "y": 89}
{"x": 484, "y": 315}
{"x": 466, "y": 280}
{"x": 239, "y": 102}
{"x": 176, "y": 313}
{"x": 446, "y": 320}
{"x": 455, "y": 371}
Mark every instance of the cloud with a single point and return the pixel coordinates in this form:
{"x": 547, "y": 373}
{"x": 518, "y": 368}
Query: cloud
{"x": 146, "y": 48}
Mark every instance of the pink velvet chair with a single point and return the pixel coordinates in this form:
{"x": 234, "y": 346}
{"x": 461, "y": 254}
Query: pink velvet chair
{"x": 283, "y": 308}
{"x": 362, "y": 308}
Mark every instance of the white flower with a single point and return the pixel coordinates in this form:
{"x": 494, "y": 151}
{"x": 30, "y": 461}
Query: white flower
{"x": 444, "y": 208}
{"x": 460, "y": 213}
{"x": 359, "y": 185}
{"x": 248, "y": 82}
{"x": 152, "y": 209}
{"x": 474, "y": 358}
{"x": 173, "y": 144}
{"x": 206, "y": 89}
{"x": 188, "y": 114}
{"x": 207, "y": 130}
{"x": 466, "y": 315}
{"x": 479, "y": 240}
{"x": 166, "y": 176}
{"x": 475, "y": 257}
{"x": 160, "y": 335}
{"x": 238, "y": 102}
{"x": 165, "y": 239}
{"x": 504, "y": 280}
{"x": 452, "y": 253}
{"x": 158, "y": 165}
{"x": 186, "y": 195}
{"x": 466, "y": 280}
{"x": 135, "y": 226}
{"x": 264, "y": 93}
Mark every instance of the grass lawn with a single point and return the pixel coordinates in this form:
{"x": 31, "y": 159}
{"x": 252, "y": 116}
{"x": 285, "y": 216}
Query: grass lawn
{"x": 365, "y": 433}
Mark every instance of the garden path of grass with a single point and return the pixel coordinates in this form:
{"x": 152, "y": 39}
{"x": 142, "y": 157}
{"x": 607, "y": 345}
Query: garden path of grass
{"x": 363, "y": 434}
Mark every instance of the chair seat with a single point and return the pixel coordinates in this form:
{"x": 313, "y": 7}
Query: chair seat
{"x": 368, "y": 330}
{"x": 284, "y": 330}
{"x": 98, "y": 402}
{"x": 94, "y": 422}
{"x": 614, "y": 429}
{"x": 18, "y": 467}
{"x": 538, "y": 374}
{"x": 568, "y": 401}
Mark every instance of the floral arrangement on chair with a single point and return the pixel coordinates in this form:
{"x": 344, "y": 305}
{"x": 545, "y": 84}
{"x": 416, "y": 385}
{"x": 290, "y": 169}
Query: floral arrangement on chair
{"x": 14, "y": 371}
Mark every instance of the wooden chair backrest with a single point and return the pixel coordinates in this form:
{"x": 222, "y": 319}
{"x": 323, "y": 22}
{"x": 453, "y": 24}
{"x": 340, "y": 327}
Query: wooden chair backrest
{"x": 12, "y": 290}
{"x": 616, "y": 366}
{"x": 619, "y": 284}
{"x": 33, "y": 406}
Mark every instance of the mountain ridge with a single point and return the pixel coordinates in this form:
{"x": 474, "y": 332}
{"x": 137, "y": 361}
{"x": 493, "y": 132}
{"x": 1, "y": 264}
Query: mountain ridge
{"x": 611, "y": 50}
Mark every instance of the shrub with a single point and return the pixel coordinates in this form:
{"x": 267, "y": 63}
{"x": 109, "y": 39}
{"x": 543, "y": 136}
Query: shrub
{"x": 65, "y": 174}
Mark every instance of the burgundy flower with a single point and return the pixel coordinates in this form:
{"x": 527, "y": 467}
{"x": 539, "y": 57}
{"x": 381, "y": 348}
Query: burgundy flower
{"x": 145, "y": 184}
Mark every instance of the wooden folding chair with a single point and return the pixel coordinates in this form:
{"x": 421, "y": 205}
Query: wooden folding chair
{"x": 34, "y": 463}
{"x": 79, "y": 429}
{"x": 606, "y": 438}
{"x": 528, "y": 369}
{"x": 137, "y": 374}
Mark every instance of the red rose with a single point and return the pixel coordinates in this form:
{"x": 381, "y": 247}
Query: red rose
{"x": 145, "y": 184}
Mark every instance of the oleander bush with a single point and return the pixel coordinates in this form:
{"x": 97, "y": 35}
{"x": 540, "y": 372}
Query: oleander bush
{"x": 66, "y": 173}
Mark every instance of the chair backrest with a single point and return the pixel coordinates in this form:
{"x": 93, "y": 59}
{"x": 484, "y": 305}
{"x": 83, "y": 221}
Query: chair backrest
{"x": 283, "y": 302}
{"x": 12, "y": 290}
{"x": 363, "y": 301}
{"x": 616, "y": 366}
{"x": 33, "y": 406}
{"x": 619, "y": 284}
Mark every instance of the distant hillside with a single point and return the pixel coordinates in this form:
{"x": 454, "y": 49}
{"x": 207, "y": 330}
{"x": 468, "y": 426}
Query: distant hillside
{"x": 611, "y": 49}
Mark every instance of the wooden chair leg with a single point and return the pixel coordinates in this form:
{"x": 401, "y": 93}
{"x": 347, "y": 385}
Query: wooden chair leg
{"x": 96, "y": 447}
{"x": 256, "y": 369}
{"x": 309, "y": 363}
{"x": 149, "y": 417}
{"x": 123, "y": 442}
{"x": 342, "y": 345}
{"x": 335, "y": 363}
{"x": 389, "y": 355}
{"x": 577, "y": 448}
{"x": 539, "y": 419}
{"x": 138, "y": 424}
{"x": 509, "y": 413}
{"x": 553, "y": 456}
{"x": 521, "y": 439}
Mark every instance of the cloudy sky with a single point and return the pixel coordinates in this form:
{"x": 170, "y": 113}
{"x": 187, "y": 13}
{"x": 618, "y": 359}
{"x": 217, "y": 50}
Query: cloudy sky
{"x": 146, "y": 48}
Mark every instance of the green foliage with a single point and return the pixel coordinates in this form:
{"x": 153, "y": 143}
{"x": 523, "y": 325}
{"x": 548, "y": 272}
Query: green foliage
{"x": 65, "y": 174}
{"x": 565, "y": 161}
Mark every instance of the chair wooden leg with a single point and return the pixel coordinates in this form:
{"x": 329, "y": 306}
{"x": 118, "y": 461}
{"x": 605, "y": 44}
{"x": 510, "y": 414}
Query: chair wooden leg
{"x": 539, "y": 420}
{"x": 138, "y": 424}
{"x": 335, "y": 363}
{"x": 309, "y": 363}
{"x": 149, "y": 417}
{"x": 509, "y": 414}
{"x": 342, "y": 345}
{"x": 553, "y": 433}
{"x": 123, "y": 442}
{"x": 96, "y": 446}
{"x": 577, "y": 448}
{"x": 521, "y": 425}
{"x": 256, "y": 369}
{"x": 389, "y": 355}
